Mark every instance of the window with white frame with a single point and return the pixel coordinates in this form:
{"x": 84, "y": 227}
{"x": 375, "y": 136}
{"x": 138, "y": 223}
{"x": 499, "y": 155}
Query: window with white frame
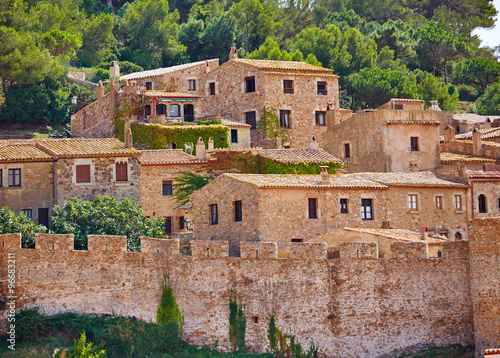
{"x": 457, "y": 200}
{"x": 439, "y": 202}
{"x": 412, "y": 202}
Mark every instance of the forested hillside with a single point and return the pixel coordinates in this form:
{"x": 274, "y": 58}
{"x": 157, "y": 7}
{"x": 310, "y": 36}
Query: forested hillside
{"x": 380, "y": 48}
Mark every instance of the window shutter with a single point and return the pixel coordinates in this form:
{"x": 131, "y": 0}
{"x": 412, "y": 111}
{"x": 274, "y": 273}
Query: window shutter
{"x": 121, "y": 171}
{"x": 83, "y": 173}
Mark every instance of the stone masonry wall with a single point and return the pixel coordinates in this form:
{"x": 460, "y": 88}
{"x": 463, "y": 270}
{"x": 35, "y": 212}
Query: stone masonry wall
{"x": 102, "y": 179}
{"x": 491, "y": 190}
{"x": 484, "y": 259}
{"x": 489, "y": 149}
{"x": 350, "y": 307}
{"x": 95, "y": 120}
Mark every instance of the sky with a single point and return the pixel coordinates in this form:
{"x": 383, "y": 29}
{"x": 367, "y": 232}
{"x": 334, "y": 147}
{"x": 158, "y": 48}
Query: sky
{"x": 491, "y": 37}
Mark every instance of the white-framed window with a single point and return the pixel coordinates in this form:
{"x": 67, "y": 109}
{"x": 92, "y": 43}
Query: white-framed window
{"x": 413, "y": 202}
{"x": 366, "y": 209}
{"x": 14, "y": 177}
{"x": 438, "y": 200}
{"x": 191, "y": 85}
{"x": 457, "y": 202}
{"x": 28, "y": 213}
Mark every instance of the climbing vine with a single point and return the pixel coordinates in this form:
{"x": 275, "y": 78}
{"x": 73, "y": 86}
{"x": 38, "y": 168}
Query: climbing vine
{"x": 237, "y": 322}
{"x": 158, "y": 136}
{"x": 270, "y": 124}
{"x": 168, "y": 310}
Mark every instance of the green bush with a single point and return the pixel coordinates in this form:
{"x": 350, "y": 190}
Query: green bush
{"x": 11, "y": 223}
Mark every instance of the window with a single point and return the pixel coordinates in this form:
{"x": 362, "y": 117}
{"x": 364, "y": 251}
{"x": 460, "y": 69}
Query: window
{"x": 121, "y": 171}
{"x": 161, "y": 109}
{"x": 234, "y": 136}
{"x": 250, "y": 119}
{"x": 366, "y": 209}
{"x": 174, "y": 110}
{"x": 285, "y": 119}
{"x": 168, "y": 225}
{"x": 1, "y": 185}
{"x": 287, "y": 86}
{"x": 458, "y": 202}
{"x": 1, "y": 178}
{"x": 238, "y": 214}
{"x": 439, "y": 202}
{"x": 343, "y": 206}
{"x": 167, "y": 188}
{"x": 321, "y": 118}
{"x": 347, "y": 150}
{"x": 14, "y": 177}
{"x": 28, "y": 213}
{"x": 147, "y": 110}
{"x": 457, "y": 129}
{"x": 412, "y": 202}
{"x": 313, "y": 208}
{"x": 181, "y": 222}
{"x": 458, "y": 236}
{"x": 83, "y": 173}
{"x": 211, "y": 88}
{"x": 414, "y": 144}
{"x": 322, "y": 88}
{"x": 481, "y": 204}
{"x": 191, "y": 85}
{"x": 297, "y": 240}
{"x": 149, "y": 86}
{"x": 214, "y": 215}
{"x": 249, "y": 84}
{"x": 398, "y": 106}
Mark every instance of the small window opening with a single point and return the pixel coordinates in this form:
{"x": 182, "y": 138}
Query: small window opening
{"x": 297, "y": 240}
{"x": 208, "y": 252}
{"x": 250, "y": 84}
{"x": 256, "y": 254}
{"x": 440, "y": 254}
{"x": 255, "y": 319}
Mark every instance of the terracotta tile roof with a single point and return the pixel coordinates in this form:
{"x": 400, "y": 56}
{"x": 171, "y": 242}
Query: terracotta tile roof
{"x": 424, "y": 179}
{"x": 493, "y": 351}
{"x": 167, "y": 156}
{"x": 86, "y": 148}
{"x": 166, "y": 94}
{"x": 453, "y": 158}
{"x": 470, "y": 117}
{"x": 413, "y": 121}
{"x": 306, "y": 181}
{"x": 160, "y": 71}
{"x": 486, "y": 133}
{"x": 477, "y": 174}
{"x": 299, "y": 155}
{"x": 230, "y": 123}
{"x": 406, "y": 100}
{"x": 23, "y": 153}
{"x": 270, "y": 65}
{"x": 293, "y": 73}
{"x": 400, "y": 235}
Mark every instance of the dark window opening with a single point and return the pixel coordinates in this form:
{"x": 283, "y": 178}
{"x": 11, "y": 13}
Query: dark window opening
{"x": 168, "y": 225}
{"x": 347, "y": 150}
{"x": 15, "y": 177}
{"x": 457, "y": 129}
{"x": 414, "y": 144}
{"x": 161, "y": 109}
{"x": 121, "y": 171}
{"x": 322, "y": 88}
{"x": 43, "y": 217}
{"x": 238, "y": 213}
{"x": 167, "y": 187}
{"x": 285, "y": 119}
{"x": 297, "y": 240}
{"x": 343, "y": 206}
{"x": 191, "y": 85}
{"x": 366, "y": 209}
{"x": 440, "y": 254}
{"x": 149, "y": 86}
{"x": 255, "y": 319}
{"x": 398, "y": 106}
{"x": 211, "y": 90}
{"x": 147, "y": 110}
{"x": 458, "y": 236}
{"x": 250, "y": 84}
{"x": 188, "y": 113}
{"x": 181, "y": 222}
{"x": 287, "y": 86}
{"x": 234, "y": 136}
{"x": 83, "y": 173}
{"x": 1, "y": 178}
{"x": 250, "y": 119}
{"x": 214, "y": 215}
{"x": 481, "y": 204}
{"x": 321, "y": 118}
{"x": 313, "y": 208}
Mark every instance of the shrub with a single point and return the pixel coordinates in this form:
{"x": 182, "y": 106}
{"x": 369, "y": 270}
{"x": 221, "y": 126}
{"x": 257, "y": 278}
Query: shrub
{"x": 11, "y": 223}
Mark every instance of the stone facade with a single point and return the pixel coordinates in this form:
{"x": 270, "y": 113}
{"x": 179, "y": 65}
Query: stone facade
{"x": 232, "y": 98}
{"x": 406, "y": 303}
{"x": 487, "y": 186}
{"x": 388, "y": 148}
{"x": 280, "y": 213}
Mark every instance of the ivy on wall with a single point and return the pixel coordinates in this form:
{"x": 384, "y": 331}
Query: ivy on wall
{"x": 158, "y": 136}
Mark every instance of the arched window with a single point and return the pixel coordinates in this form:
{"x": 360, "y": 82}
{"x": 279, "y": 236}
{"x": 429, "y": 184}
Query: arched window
{"x": 174, "y": 110}
{"x": 161, "y": 109}
{"x": 147, "y": 110}
{"x": 458, "y": 236}
{"x": 481, "y": 204}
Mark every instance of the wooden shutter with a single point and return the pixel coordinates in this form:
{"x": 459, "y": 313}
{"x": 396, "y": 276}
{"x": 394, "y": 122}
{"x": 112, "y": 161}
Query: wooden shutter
{"x": 121, "y": 171}
{"x": 83, "y": 173}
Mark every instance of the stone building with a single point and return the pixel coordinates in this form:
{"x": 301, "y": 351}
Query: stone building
{"x": 86, "y": 168}
{"x": 484, "y": 193}
{"x": 299, "y": 92}
{"x": 463, "y": 123}
{"x": 288, "y": 208}
{"x": 473, "y": 145}
{"x": 389, "y": 140}
{"x": 158, "y": 170}
{"x": 27, "y": 181}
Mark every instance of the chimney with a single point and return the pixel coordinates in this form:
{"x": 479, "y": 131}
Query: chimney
{"x": 386, "y": 225}
{"x": 210, "y": 144}
{"x": 126, "y": 87}
{"x": 325, "y": 177}
{"x": 100, "y": 91}
{"x": 434, "y": 106}
{"x": 476, "y": 142}
{"x": 207, "y": 68}
{"x": 133, "y": 86}
{"x": 331, "y": 115}
{"x": 114, "y": 71}
{"x": 413, "y": 166}
{"x": 313, "y": 144}
{"x": 127, "y": 134}
{"x": 201, "y": 153}
{"x": 449, "y": 133}
{"x": 233, "y": 54}
{"x": 424, "y": 235}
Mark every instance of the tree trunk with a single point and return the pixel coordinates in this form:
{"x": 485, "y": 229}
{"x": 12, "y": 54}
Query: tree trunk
{"x": 445, "y": 73}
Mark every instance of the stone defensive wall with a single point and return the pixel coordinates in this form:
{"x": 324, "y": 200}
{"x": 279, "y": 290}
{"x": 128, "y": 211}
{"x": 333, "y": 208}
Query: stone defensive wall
{"x": 357, "y": 305}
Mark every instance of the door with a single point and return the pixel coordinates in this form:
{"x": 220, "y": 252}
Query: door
{"x": 250, "y": 118}
{"x": 188, "y": 113}
{"x": 43, "y": 217}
